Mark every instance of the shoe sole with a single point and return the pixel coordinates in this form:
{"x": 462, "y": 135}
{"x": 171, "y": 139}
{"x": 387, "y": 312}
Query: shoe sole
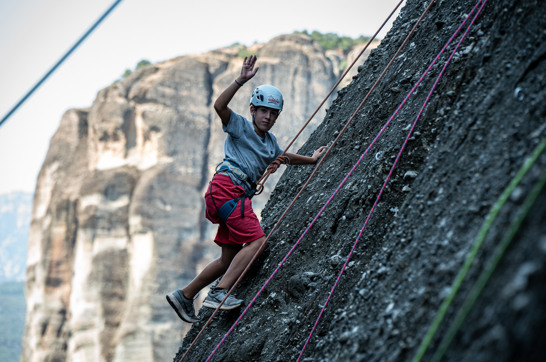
{"x": 214, "y": 305}
{"x": 175, "y": 304}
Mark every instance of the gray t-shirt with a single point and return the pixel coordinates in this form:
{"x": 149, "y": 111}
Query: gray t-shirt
{"x": 248, "y": 150}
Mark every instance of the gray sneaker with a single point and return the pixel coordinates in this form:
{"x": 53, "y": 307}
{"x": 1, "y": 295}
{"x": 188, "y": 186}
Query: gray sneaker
{"x": 216, "y": 296}
{"x": 182, "y": 306}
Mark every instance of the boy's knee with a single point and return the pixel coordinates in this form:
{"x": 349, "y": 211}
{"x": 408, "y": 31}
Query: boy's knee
{"x": 263, "y": 242}
{"x": 259, "y": 243}
{"x": 263, "y": 245}
{"x": 223, "y": 263}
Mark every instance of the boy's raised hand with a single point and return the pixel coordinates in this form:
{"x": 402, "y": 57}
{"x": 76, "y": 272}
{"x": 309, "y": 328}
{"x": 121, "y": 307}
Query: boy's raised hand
{"x": 248, "y": 71}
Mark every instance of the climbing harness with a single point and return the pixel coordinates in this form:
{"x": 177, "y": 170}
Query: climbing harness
{"x": 234, "y": 171}
{"x": 229, "y": 168}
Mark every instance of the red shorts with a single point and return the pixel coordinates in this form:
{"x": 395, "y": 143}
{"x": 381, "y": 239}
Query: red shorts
{"x": 236, "y": 230}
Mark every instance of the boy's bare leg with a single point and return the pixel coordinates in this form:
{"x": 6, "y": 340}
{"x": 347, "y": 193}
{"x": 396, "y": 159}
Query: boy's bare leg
{"x": 240, "y": 262}
{"x": 212, "y": 271}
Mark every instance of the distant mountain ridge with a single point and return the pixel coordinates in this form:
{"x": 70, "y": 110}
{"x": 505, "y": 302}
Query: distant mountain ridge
{"x": 12, "y": 320}
{"x": 15, "y": 214}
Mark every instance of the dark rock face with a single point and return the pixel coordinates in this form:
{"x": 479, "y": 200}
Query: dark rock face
{"x": 118, "y": 217}
{"x": 484, "y": 120}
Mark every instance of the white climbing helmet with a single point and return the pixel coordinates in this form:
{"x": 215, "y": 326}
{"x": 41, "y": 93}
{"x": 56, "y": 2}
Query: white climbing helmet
{"x": 267, "y": 96}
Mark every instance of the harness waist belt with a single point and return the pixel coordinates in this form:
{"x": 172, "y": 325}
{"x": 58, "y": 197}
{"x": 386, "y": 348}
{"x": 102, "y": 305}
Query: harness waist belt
{"x": 226, "y": 166}
{"x": 229, "y": 169}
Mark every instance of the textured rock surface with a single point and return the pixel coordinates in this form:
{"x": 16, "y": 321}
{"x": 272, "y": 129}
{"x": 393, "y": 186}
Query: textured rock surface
{"x": 484, "y": 120}
{"x": 118, "y": 219}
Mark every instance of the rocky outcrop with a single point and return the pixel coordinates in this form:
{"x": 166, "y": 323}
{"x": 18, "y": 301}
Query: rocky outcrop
{"x": 118, "y": 212}
{"x": 482, "y": 123}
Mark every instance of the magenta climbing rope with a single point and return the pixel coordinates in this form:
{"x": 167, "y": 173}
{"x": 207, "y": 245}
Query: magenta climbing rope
{"x": 252, "y": 302}
{"x": 482, "y": 2}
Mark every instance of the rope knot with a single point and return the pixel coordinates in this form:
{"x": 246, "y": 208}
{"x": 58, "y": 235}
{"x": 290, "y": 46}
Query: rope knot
{"x": 281, "y": 160}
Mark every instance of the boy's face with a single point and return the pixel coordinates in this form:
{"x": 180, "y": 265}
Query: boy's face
{"x": 264, "y": 118}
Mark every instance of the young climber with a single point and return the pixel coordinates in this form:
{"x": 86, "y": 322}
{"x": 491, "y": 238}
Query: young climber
{"x": 249, "y": 149}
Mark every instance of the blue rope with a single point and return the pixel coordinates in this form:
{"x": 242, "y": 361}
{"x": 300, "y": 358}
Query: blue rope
{"x": 59, "y": 62}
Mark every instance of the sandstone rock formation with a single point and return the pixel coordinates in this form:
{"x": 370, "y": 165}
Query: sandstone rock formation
{"x": 118, "y": 213}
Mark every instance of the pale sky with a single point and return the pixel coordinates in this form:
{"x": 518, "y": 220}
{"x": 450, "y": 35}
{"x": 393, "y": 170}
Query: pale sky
{"x": 36, "y": 33}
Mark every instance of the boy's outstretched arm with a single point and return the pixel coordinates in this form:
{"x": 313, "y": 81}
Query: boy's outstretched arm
{"x": 247, "y": 72}
{"x": 296, "y": 159}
